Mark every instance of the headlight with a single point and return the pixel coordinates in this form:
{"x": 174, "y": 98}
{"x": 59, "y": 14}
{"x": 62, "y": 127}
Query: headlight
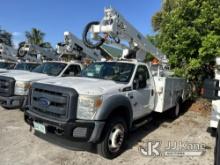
{"x": 22, "y": 87}
{"x": 87, "y": 106}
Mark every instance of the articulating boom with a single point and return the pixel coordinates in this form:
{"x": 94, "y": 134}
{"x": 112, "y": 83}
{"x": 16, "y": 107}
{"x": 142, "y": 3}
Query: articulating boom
{"x": 116, "y": 30}
{"x": 75, "y": 49}
{"x": 7, "y": 52}
{"x": 36, "y": 53}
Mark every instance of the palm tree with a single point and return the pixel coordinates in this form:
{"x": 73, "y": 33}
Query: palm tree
{"x": 35, "y": 36}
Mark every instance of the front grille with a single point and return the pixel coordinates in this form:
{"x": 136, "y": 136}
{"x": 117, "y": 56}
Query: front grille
{"x": 53, "y": 101}
{"x": 7, "y": 85}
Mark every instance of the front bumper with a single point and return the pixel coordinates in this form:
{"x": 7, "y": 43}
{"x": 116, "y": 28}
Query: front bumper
{"x": 12, "y": 102}
{"x": 78, "y": 130}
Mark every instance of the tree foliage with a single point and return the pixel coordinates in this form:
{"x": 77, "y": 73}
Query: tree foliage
{"x": 6, "y": 37}
{"x": 46, "y": 45}
{"x": 149, "y": 57}
{"x": 35, "y": 36}
{"x": 188, "y": 32}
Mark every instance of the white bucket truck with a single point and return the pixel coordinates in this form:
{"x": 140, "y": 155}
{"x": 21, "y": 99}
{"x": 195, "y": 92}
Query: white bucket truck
{"x": 110, "y": 97}
{"x": 11, "y": 62}
{"x": 15, "y": 86}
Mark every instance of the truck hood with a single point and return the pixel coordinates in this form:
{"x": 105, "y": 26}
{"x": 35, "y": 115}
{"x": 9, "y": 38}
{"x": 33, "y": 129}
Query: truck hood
{"x": 26, "y": 76}
{"x": 7, "y": 72}
{"x": 3, "y": 70}
{"x": 87, "y": 86}
{"x": 18, "y": 71}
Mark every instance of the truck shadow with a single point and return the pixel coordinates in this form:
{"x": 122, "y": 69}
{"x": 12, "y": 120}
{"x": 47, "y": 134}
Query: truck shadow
{"x": 137, "y": 135}
{"x": 134, "y": 138}
{"x": 67, "y": 144}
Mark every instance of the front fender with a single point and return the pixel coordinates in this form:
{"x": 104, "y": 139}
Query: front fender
{"x": 111, "y": 104}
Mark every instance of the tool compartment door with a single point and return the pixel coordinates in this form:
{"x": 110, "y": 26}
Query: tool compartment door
{"x": 168, "y": 90}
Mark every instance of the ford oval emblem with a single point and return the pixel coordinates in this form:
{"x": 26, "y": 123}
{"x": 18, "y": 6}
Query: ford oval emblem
{"x": 44, "y": 101}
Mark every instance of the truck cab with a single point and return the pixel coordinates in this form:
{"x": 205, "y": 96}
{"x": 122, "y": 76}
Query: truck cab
{"x": 15, "y": 84}
{"x": 78, "y": 108}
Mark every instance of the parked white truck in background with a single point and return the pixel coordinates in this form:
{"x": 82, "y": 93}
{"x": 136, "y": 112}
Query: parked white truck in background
{"x": 110, "y": 98}
{"x": 73, "y": 49}
{"x": 15, "y": 86}
{"x": 32, "y": 52}
{"x": 10, "y": 60}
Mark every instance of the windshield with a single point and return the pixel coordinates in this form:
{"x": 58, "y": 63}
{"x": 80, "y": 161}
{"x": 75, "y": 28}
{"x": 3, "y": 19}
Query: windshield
{"x": 50, "y": 68}
{"x": 25, "y": 66}
{"x": 115, "y": 71}
{"x": 7, "y": 65}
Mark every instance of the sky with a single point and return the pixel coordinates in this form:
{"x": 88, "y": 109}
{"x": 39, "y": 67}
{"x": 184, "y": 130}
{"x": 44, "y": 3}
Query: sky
{"x": 53, "y": 17}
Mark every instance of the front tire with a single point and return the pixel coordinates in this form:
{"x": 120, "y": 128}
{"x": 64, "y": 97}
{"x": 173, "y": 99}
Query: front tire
{"x": 114, "y": 138}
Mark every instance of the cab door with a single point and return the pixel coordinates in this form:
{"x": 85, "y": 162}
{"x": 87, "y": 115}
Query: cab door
{"x": 143, "y": 92}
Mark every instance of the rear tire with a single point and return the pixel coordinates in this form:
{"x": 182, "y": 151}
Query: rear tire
{"x": 114, "y": 138}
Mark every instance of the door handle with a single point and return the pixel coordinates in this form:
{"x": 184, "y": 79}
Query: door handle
{"x": 152, "y": 92}
{"x": 131, "y": 96}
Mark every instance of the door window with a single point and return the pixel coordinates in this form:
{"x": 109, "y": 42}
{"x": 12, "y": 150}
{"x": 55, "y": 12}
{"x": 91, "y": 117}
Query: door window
{"x": 141, "y": 76}
{"x": 72, "y": 70}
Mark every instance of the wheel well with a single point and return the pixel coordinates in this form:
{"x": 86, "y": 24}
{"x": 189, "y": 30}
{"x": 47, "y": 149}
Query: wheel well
{"x": 123, "y": 112}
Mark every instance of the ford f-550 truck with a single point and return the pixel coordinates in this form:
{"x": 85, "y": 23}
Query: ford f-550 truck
{"x": 109, "y": 98}
{"x": 101, "y": 106}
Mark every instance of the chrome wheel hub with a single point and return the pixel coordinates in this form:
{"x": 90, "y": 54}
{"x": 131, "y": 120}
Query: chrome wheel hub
{"x": 116, "y": 138}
